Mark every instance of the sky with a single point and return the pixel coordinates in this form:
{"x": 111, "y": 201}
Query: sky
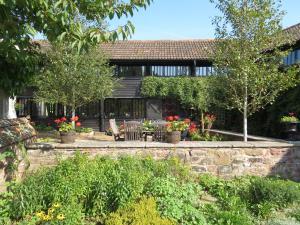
{"x": 187, "y": 19}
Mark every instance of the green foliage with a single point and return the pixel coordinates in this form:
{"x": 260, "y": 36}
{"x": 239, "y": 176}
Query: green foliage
{"x": 84, "y": 129}
{"x": 272, "y": 193}
{"x": 143, "y": 191}
{"x": 80, "y": 23}
{"x": 43, "y": 127}
{"x": 177, "y": 201}
{"x": 143, "y": 212}
{"x": 192, "y": 92}
{"x": 74, "y": 80}
{"x": 288, "y": 119}
{"x": 206, "y": 136}
{"x": 96, "y": 187}
{"x": 259, "y": 196}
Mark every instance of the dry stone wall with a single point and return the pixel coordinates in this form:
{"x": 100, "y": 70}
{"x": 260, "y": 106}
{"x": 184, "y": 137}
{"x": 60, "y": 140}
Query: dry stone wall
{"x": 224, "y": 159}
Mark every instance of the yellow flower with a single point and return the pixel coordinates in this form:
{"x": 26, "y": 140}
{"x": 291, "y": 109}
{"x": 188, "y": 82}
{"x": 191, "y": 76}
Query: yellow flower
{"x": 46, "y": 217}
{"x": 60, "y": 216}
{"x": 51, "y": 210}
{"x": 40, "y": 214}
{"x": 56, "y": 205}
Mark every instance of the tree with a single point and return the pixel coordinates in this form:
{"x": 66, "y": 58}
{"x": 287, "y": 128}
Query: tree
{"x": 249, "y": 55}
{"x": 80, "y": 23}
{"x": 73, "y": 79}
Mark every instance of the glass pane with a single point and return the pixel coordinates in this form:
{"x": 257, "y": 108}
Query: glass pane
{"x": 131, "y": 71}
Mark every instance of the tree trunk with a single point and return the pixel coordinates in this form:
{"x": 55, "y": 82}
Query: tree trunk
{"x": 7, "y": 106}
{"x": 202, "y": 122}
{"x": 73, "y": 114}
{"x": 245, "y": 121}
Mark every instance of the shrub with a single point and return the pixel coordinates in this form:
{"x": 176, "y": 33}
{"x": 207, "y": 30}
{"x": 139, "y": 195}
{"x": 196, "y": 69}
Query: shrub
{"x": 261, "y": 196}
{"x": 177, "y": 200}
{"x": 271, "y": 192}
{"x": 217, "y": 215}
{"x": 97, "y": 187}
{"x": 143, "y": 212}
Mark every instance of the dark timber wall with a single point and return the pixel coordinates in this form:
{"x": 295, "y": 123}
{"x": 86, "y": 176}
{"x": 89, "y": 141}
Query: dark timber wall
{"x": 129, "y": 87}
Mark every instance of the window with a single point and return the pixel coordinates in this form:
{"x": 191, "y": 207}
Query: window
{"x": 170, "y": 71}
{"x": 130, "y": 71}
{"x": 203, "y": 71}
{"x": 125, "y": 108}
{"x": 292, "y": 58}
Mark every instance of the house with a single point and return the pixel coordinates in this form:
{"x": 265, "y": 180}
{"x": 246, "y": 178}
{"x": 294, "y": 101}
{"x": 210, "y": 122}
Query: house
{"x": 134, "y": 60}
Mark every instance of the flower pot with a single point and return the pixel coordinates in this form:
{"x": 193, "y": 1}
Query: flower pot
{"x": 184, "y": 134}
{"x": 174, "y": 137}
{"x": 292, "y": 131}
{"x": 67, "y": 137}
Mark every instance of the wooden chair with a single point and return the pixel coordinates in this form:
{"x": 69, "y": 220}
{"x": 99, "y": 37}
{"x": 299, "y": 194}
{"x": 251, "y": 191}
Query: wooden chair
{"x": 133, "y": 131}
{"x": 160, "y": 131}
{"x": 115, "y": 130}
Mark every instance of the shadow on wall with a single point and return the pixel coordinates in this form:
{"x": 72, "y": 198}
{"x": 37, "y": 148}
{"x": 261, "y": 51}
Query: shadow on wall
{"x": 287, "y": 162}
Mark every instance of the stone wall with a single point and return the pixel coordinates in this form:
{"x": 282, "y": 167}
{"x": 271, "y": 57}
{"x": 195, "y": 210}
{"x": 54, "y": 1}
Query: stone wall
{"x": 14, "y": 134}
{"x": 225, "y": 159}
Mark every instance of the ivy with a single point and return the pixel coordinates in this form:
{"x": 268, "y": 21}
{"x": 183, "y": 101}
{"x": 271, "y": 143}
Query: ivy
{"x": 11, "y": 157}
{"x": 193, "y": 92}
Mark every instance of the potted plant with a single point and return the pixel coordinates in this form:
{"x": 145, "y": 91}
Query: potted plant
{"x": 66, "y": 129}
{"x": 174, "y": 129}
{"x": 209, "y": 119}
{"x": 291, "y": 124}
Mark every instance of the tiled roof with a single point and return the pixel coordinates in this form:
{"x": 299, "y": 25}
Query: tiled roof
{"x": 198, "y": 49}
{"x": 294, "y": 32}
{"x": 159, "y": 50}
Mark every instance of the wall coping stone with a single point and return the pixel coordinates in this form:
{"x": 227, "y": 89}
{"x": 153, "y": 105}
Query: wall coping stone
{"x": 79, "y": 144}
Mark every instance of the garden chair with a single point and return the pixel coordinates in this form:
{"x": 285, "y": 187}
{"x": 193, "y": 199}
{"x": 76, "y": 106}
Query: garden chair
{"x": 160, "y": 131}
{"x": 133, "y": 131}
{"x": 115, "y": 130}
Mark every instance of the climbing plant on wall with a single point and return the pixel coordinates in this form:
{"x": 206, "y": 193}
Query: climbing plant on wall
{"x": 193, "y": 92}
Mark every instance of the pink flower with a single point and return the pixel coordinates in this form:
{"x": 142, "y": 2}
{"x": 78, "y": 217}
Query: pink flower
{"x": 292, "y": 114}
{"x": 78, "y": 124}
{"x": 176, "y": 117}
{"x": 57, "y": 121}
{"x": 63, "y": 119}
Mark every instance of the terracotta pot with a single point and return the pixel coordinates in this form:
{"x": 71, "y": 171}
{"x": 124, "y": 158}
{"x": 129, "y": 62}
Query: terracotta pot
{"x": 291, "y": 131}
{"x": 67, "y": 137}
{"x": 174, "y": 137}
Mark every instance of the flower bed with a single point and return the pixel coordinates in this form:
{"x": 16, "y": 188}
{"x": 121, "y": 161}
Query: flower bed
{"x": 84, "y": 191}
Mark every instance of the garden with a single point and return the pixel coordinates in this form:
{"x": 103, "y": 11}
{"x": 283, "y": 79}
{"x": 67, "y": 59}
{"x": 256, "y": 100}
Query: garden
{"x": 144, "y": 191}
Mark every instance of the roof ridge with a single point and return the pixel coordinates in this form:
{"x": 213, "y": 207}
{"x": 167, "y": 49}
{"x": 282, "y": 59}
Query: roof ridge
{"x": 291, "y": 27}
{"x": 168, "y": 40}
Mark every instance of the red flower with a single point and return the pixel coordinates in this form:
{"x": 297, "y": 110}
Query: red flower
{"x": 78, "y": 124}
{"x": 57, "y": 121}
{"x": 63, "y": 119}
{"x": 187, "y": 120}
{"x": 48, "y": 124}
{"x": 169, "y": 118}
{"x": 193, "y": 130}
{"x": 75, "y": 118}
{"x": 193, "y": 125}
{"x": 176, "y": 117}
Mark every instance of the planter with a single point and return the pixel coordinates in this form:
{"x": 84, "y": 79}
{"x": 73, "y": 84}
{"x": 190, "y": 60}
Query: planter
{"x": 67, "y": 137}
{"x": 174, "y": 137}
{"x": 292, "y": 131}
{"x": 184, "y": 135}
